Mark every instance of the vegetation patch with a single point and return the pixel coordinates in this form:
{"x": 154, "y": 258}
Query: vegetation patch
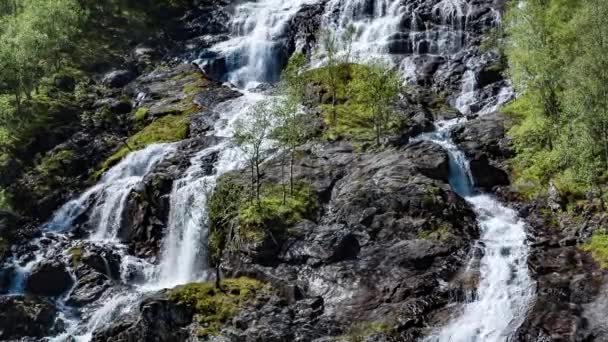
{"x": 167, "y": 129}
{"x": 439, "y": 233}
{"x": 213, "y": 306}
{"x": 362, "y": 331}
{"x": 141, "y": 114}
{"x": 598, "y": 248}
{"x": 361, "y": 108}
{"x": 237, "y": 217}
{"x": 75, "y": 254}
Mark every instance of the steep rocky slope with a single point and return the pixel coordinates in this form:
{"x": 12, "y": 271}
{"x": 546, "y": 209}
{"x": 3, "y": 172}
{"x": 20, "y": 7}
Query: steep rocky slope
{"x": 389, "y": 252}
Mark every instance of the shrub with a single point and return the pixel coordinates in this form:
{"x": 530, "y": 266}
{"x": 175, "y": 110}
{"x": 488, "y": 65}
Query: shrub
{"x": 598, "y": 247}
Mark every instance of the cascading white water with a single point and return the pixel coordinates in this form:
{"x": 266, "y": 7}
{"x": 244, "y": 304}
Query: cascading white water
{"x": 184, "y": 255}
{"x": 468, "y": 95}
{"x": 255, "y": 45}
{"x": 389, "y": 29}
{"x": 110, "y": 194}
{"x": 505, "y": 290}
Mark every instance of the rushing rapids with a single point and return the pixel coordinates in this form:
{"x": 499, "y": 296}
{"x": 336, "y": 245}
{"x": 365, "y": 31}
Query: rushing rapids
{"x": 416, "y": 36}
{"x": 505, "y": 291}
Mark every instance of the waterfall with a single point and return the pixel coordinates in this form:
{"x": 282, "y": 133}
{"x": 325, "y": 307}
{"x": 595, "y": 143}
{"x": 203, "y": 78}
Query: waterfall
{"x": 256, "y": 46}
{"x": 184, "y": 255}
{"x": 505, "y": 290}
{"x": 110, "y": 194}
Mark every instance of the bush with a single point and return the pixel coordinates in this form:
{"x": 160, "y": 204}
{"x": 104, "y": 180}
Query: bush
{"x": 598, "y": 247}
{"x": 236, "y": 217}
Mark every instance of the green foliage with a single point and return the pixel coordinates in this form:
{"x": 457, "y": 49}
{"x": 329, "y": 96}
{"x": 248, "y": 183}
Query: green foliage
{"x": 250, "y": 135}
{"x": 141, "y": 114}
{"x": 167, "y": 129}
{"x": 598, "y": 248}
{"x": 365, "y": 97}
{"x": 4, "y": 201}
{"x": 215, "y": 307}
{"x": 236, "y": 218}
{"x": 273, "y": 214}
{"x": 556, "y": 51}
{"x": 440, "y": 232}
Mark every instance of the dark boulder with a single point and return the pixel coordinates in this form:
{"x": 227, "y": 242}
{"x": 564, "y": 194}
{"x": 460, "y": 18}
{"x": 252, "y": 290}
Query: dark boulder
{"x": 89, "y": 288}
{"x": 485, "y": 175}
{"x": 431, "y": 160}
{"x": 118, "y": 78}
{"x": 485, "y": 143}
{"x": 49, "y": 278}
{"x": 24, "y": 316}
{"x": 203, "y": 122}
{"x": 157, "y": 319}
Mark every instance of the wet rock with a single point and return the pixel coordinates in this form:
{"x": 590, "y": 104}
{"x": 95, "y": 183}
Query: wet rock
{"x": 303, "y": 29}
{"x": 384, "y": 218}
{"x": 431, "y": 160}
{"x": 485, "y": 143}
{"x": 49, "y": 278}
{"x": 156, "y": 320}
{"x": 203, "y": 122}
{"x": 118, "y": 78}
{"x": 89, "y": 288}
{"x": 214, "y": 96}
{"x": 27, "y": 317}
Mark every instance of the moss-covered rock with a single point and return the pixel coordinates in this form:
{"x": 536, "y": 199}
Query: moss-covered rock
{"x": 212, "y": 306}
{"x": 169, "y": 128}
{"x": 235, "y": 214}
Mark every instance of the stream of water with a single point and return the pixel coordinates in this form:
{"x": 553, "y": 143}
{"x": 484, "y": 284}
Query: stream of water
{"x": 254, "y": 54}
{"x": 506, "y": 290}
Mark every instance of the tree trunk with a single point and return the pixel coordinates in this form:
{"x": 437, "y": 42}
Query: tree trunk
{"x": 218, "y": 275}
{"x": 258, "y": 185}
{"x": 283, "y": 185}
{"x": 291, "y": 160}
{"x": 252, "y": 180}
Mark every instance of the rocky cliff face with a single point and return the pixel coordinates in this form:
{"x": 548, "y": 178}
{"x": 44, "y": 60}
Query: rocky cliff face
{"x": 389, "y": 252}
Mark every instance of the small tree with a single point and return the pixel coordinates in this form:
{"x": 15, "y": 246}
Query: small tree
{"x": 292, "y": 128}
{"x": 376, "y": 90}
{"x": 223, "y": 206}
{"x": 337, "y": 51}
{"x": 250, "y": 135}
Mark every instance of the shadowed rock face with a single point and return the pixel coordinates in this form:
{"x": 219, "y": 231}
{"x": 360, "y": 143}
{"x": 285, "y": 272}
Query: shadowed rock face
{"x": 22, "y": 317}
{"x": 389, "y": 233}
{"x": 389, "y": 237}
{"x": 486, "y": 146}
{"x": 49, "y": 278}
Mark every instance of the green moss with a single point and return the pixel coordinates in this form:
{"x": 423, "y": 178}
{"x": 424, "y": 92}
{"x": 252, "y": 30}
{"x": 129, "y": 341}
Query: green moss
{"x": 56, "y": 163}
{"x": 76, "y": 255}
{"x": 169, "y": 128}
{"x": 362, "y": 331}
{"x": 440, "y": 232}
{"x": 213, "y": 306}
{"x": 141, "y": 114}
{"x": 272, "y": 214}
{"x": 598, "y": 248}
